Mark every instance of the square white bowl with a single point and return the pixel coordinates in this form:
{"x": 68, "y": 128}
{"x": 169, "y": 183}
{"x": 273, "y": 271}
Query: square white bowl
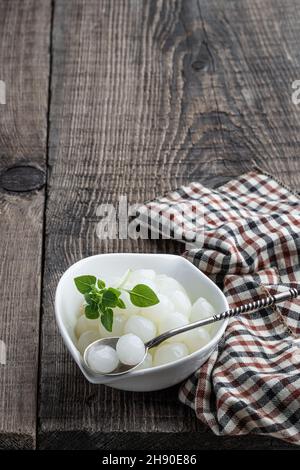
{"x": 110, "y": 266}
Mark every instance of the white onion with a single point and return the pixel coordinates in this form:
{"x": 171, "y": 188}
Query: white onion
{"x": 146, "y": 364}
{"x": 117, "y": 328}
{"x": 159, "y": 311}
{"x": 102, "y": 359}
{"x": 166, "y": 285}
{"x": 196, "y": 339}
{"x": 170, "y": 352}
{"x": 175, "y": 320}
{"x": 141, "y": 327}
{"x": 130, "y": 349}
{"x": 86, "y": 338}
{"x": 181, "y": 303}
{"x": 202, "y": 309}
{"x": 85, "y": 324}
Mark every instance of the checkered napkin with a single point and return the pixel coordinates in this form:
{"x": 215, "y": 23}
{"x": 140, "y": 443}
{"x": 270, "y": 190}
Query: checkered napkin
{"x": 250, "y": 246}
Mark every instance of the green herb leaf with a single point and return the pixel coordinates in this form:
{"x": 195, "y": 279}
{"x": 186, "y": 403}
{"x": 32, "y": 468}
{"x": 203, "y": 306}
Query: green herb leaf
{"x": 121, "y": 304}
{"x": 143, "y": 296}
{"x": 101, "y": 307}
{"x": 100, "y": 284}
{"x": 95, "y": 295}
{"x": 89, "y": 298}
{"x": 91, "y": 312}
{"x": 107, "y": 319}
{"x": 117, "y": 292}
{"x": 85, "y": 283}
{"x": 109, "y": 299}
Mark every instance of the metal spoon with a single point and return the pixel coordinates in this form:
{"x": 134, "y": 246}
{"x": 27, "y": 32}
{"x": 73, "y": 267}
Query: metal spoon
{"x": 232, "y": 312}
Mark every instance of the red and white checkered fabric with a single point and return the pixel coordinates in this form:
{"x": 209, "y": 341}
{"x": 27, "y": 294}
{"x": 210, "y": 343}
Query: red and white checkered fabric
{"x": 251, "y": 246}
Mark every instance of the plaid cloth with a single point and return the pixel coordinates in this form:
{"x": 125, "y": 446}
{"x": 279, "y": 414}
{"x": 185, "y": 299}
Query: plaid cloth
{"x": 250, "y": 247}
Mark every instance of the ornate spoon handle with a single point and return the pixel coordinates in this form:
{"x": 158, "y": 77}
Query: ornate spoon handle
{"x": 257, "y": 304}
{"x": 232, "y": 312}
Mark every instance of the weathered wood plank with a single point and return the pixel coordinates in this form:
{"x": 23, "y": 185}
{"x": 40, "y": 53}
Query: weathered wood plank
{"x": 24, "y": 67}
{"x": 147, "y": 96}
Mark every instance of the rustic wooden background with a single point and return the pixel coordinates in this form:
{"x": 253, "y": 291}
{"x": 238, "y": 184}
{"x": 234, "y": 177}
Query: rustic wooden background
{"x": 114, "y": 97}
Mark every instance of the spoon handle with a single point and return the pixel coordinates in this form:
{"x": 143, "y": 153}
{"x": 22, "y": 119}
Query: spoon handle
{"x": 232, "y": 312}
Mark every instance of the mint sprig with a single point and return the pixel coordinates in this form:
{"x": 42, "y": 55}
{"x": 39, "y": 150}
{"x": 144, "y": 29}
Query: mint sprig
{"x": 101, "y": 300}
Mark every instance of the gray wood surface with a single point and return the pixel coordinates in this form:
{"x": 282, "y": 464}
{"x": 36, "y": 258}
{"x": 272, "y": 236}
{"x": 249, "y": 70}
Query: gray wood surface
{"x": 24, "y": 66}
{"x": 145, "y": 96}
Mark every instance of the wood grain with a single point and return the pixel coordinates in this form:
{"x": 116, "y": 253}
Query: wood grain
{"x": 24, "y": 66}
{"x": 145, "y": 96}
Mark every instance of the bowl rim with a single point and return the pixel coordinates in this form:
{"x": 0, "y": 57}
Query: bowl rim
{"x": 140, "y": 372}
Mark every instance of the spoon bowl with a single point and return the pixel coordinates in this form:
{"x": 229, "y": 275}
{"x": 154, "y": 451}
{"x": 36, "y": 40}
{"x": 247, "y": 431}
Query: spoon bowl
{"x": 112, "y": 342}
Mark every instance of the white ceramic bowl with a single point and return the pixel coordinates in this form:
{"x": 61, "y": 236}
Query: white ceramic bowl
{"x": 110, "y": 266}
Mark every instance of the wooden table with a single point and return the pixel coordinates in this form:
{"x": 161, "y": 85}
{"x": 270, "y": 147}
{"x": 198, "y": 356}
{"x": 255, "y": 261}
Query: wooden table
{"x": 122, "y": 97}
